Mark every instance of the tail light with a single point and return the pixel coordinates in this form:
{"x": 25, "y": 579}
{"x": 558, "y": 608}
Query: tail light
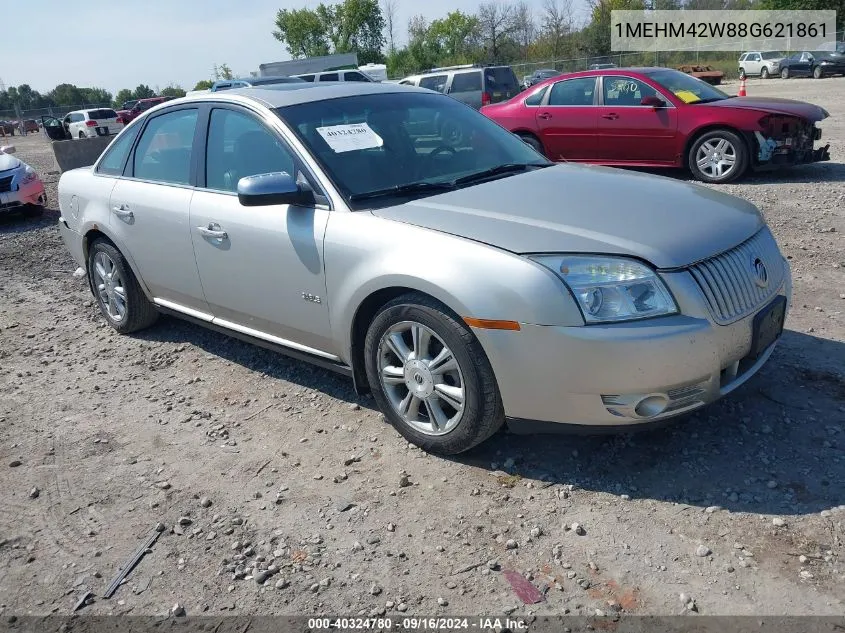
{"x": 91, "y": 123}
{"x": 485, "y": 99}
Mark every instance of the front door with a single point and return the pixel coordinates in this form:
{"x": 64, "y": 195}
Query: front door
{"x": 568, "y": 120}
{"x": 149, "y": 209}
{"x": 753, "y": 64}
{"x": 633, "y": 133}
{"x": 261, "y": 266}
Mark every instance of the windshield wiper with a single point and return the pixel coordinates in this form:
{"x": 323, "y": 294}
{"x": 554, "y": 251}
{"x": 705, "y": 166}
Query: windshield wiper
{"x": 398, "y": 190}
{"x": 508, "y": 168}
{"x": 711, "y": 100}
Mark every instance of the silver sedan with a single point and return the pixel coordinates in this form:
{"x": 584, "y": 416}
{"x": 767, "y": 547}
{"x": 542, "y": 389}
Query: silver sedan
{"x": 400, "y": 237}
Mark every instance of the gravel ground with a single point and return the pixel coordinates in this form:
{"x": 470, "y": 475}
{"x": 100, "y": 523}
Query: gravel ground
{"x": 280, "y": 492}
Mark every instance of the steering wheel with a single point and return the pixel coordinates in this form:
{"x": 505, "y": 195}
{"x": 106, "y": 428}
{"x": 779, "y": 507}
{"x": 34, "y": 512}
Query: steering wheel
{"x": 440, "y": 149}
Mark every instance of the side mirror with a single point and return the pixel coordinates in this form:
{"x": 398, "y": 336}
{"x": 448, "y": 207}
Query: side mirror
{"x": 274, "y": 188}
{"x": 653, "y": 102}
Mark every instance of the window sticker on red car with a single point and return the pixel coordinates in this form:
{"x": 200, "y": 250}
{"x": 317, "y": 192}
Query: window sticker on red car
{"x": 348, "y": 138}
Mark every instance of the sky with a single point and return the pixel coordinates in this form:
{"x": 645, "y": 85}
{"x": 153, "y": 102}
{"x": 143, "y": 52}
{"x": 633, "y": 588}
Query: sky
{"x": 116, "y": 44}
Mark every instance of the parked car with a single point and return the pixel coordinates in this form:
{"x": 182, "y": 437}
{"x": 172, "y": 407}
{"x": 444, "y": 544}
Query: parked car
{"x": 91, "y": 123}
{"x": 336, "y": 75}
{"x": 540, "y": 75}
{"x": 30, "y": 125}
{"x": 816, "y": 64}
{"x": 141, "y": 105}
{"x": 229, "y": 84}
{"x": 8, "y": 128}
{"x": 473, "y": 85}
{"x": 617, "y": 298}
{"x": 763, "y": 64}
{"x": 128, "y": 105}
{"x": 659, "y": 117}
{"x": 20, "y": 187}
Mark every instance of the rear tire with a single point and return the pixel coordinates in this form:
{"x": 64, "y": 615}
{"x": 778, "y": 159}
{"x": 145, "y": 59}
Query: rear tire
{"x": 718, "y": 156}
{"x": 533, "y": 141}
{"x": 784, "y": 74}
{"x": 81, "y": 135}
{"x": 448, "y": 360}
{"x": 117, "y": 291}
{"x": 764, "y": 74}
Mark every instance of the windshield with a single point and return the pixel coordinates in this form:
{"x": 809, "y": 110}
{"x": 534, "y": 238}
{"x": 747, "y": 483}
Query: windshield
{"x": 377, "y": 142}
{"x": 687, "y": 88}
{"x": 772, "y": 55}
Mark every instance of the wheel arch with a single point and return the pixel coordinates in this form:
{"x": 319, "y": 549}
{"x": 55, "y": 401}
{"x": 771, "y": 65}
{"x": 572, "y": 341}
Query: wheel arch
{"x": 94, "y": 232}
{"x": 712, "y": 127}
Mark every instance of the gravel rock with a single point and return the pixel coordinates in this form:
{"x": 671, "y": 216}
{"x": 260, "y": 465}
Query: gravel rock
{"x": 15, "y": 463}
{"x": 702, "y": 551}
{"x": 443, "y": 602}
{"x": 578, "y": 529}
{"x": 177, "y": 610}
{"x": 205, "y": 502}
{"x": 778, "y": 522}
{"x": 511, "y": 544}
{"x": 375, "y": 589}
{"x": 404, "y": 482}
{"x": 262, "y": 576}
{"x": 34, "y": 493}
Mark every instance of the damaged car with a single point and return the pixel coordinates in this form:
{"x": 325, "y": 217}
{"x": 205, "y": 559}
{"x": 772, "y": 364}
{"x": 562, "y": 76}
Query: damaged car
{"x": 20, "y": 187}
{"x": 659, "y": 117}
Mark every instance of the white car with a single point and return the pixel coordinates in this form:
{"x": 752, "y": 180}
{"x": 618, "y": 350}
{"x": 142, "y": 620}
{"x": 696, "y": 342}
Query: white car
{"x": 760, "y": 63}
{"x": 20, "y": 187}
{"x": 335, "y": 75}
{"x": 91, "y": 123}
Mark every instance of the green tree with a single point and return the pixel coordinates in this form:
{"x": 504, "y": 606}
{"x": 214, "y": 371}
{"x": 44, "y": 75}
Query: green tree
{"x": 66, "y": 95}
{"x": 143, "y": 91}
{"x": 456, "y": 37}
{"x": 173, "y": 91}
{"x": 303, "y": 32}
{"x": 223, "y": 72}
{"x": 806, "y": 5}
{"x": 96, "y": 96}
{"x": 123, "y": 95}
{"x": 204, "y": 84}
{"x": 597, "y": 33}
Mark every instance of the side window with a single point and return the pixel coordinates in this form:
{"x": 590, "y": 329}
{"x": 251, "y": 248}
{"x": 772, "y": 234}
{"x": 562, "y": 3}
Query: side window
{"x": 573, "y": 92}
{"x": 742, "y": 58}
{"x": 466, "y": 82}
{"x": 624, "y": 91}
{"x": 537, "y": 98}
{"x": 755, "y": 58}
{"x": 164, "y": 150}
{"x": 354, "y": 76}
{"x": 329, "y": 77}
{"x": 114, "y": 159}
{"x": 434, "y": 82}
{"x": 239, "y": 146}
{"x": 307, "y": 77}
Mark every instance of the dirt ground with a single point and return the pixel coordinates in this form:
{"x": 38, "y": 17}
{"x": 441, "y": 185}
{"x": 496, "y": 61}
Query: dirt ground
{"x": 282, "y": 493}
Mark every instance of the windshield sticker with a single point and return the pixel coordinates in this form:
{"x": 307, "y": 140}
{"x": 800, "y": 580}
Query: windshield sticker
{"x": 349, "y": 138}
{"x": 686, "y": 96}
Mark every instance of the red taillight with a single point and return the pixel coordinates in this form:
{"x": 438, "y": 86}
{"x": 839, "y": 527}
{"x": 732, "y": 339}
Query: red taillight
{"x": 91, "y": 123}
{"x": 485, "y": 98}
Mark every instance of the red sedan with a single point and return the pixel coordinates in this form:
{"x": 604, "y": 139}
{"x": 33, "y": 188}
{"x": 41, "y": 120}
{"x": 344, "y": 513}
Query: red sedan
{"x": 658, "y": 117}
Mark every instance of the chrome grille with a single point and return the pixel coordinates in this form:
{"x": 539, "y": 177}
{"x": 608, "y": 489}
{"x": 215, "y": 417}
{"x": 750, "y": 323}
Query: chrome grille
{"x": 729, "y": 281}
{"x": 6, "y": 184}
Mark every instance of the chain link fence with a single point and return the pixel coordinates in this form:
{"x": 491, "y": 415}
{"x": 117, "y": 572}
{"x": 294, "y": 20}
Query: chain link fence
{"x": 13, "y": 122}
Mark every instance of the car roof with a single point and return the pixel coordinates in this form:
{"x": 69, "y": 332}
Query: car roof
{"x": 280, "y": 95}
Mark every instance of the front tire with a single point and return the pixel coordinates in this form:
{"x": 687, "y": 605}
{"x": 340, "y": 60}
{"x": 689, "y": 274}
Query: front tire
{"x": 817, "y": 72}
{"x": 117, "y": 291}
{"x": 764, "y": 74}
{"x": 430, "y": 376}
{"x": 784, "y": 74}
{"x": 718, "y": 156}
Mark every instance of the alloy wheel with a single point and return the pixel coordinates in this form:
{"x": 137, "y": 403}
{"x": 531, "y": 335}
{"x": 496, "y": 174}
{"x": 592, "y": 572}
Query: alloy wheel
{"x": 716, "y": 157}
{"x": 422, "y": 378}
{"x": 110, "y": 287}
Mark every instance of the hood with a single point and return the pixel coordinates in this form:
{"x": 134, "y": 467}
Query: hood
{"x": 583, "y": 209}
{"x": 774, "y": 105}
{"x": 7, "y": 161}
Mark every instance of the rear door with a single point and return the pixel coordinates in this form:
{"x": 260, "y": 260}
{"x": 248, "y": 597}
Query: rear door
{"x": 568, "y": 120}
{"x": 630, "y": 132}
{"x": 500, "y": 83}
{"x": 150, "y": 206}
{"x": 466, "y": 88}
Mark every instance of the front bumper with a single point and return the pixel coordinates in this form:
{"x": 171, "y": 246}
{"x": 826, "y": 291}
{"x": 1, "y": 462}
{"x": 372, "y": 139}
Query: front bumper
{"x": 30, "y": 193}
{"x": 595, "y": 375}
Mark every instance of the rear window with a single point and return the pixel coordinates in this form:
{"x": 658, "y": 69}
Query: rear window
{"x": 466, "y": 82}
{"x": 434, "y": 82}
{"x": 102, "y": 114}
{"x": 354, "y": 76}
{"x": 501, "y": 78}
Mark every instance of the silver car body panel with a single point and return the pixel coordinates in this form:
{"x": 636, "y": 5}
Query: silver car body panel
{"x": 464, "y": 249}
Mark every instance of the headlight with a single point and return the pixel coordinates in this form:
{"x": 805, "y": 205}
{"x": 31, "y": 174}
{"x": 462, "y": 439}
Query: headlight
{"x": 611, "y": 289}
{"x": 28, "y": 175}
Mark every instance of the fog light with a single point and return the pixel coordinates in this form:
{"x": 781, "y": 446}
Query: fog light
{"x": 651, "y": 406}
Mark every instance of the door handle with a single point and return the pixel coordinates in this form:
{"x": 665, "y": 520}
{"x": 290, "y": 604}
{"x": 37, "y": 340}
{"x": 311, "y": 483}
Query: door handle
{"x": 123, "y": 212}
{"x": 544, "y": 115}
{"x": 213, "y": 231}
{"x": 612, "y": 116}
